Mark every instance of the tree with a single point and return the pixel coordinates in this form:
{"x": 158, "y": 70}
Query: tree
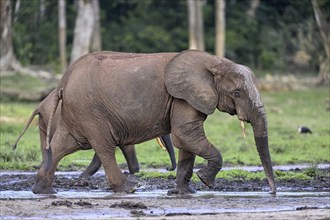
{"x": 254, "y": 4}
{"x": 96, "y": 44}
{"x": 8, "y": 60}
{"x": 324, "y": 28}
{"x": 83, "y": 29}
{"x": 7, "y": 53}
{"x": 220, "y": 27}
{"x": 196, "y": 24}
{"x": 62, "y": 33}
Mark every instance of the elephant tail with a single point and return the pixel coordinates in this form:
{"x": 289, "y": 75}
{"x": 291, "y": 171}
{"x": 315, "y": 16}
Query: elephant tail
{"x": 56, "y": 100}
{"x": 35, "y": 112}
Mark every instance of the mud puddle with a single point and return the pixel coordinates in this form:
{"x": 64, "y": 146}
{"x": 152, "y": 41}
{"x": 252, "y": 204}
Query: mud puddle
{"x": 156, "y": 204}
{"x": 160, "y": 194}
{"x": 92, "y": 199}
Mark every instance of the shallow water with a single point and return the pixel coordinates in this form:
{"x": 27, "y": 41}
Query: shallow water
{"x": 22, "y": 203}
{"x": 247, "y": 168}
{"x": 161, "y": 194}
{"x": 17, "y": 201}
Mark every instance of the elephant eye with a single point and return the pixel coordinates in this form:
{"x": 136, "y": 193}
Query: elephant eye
{"x": 236, "y": 94}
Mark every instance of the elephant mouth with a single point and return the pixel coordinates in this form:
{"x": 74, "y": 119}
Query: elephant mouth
{"x": 231, "y": 111}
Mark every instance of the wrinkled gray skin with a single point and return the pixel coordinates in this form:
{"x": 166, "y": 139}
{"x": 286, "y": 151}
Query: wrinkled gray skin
{"x": 44, "y": 110}
{"x": 128, "y": 100}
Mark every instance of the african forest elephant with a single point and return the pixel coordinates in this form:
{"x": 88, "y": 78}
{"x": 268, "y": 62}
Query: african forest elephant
{"x": 44, "y": 110}
{"x": 109, "y": 101}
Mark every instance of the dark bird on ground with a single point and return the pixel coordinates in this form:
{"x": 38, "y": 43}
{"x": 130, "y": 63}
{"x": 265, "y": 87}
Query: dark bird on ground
{"x": 304, "y": 130}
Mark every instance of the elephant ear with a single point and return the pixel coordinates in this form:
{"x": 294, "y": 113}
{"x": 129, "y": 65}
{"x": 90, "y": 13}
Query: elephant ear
{"x": 188, "y": 77}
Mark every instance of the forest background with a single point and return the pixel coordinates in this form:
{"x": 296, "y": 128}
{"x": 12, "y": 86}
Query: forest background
{"x": 278, "y": 35}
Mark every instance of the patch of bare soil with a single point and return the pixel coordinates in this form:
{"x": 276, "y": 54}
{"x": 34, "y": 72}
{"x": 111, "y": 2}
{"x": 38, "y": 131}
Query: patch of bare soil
{"x": 248, "y": 200}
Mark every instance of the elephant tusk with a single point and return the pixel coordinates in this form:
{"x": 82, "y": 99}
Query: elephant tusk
{"x": 161, "y": 144}
{"x": 243, "y": 128}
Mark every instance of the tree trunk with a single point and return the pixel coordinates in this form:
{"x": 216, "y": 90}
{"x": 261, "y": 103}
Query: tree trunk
{"x": 17, "y": 6}
{"x": 62, "y": 33}
{"x": 83, "y": 29}
{"x": 96, "y": 44}
{"x": 42, "y": 9}
{"x": 8, "y": 60}
{"x": 324, "y": 27}
{"x": 254, "y": 4}
{"x": 196, "y": 24}
{"x": 7, "y": 54}
{"x": 220, "y": 27}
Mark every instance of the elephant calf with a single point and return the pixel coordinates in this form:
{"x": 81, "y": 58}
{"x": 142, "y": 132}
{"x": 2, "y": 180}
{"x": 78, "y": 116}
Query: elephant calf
{"x": 44, "y": 109}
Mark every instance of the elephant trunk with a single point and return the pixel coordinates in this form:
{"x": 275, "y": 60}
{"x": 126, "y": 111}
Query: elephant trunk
{"x": 259, "y": 124}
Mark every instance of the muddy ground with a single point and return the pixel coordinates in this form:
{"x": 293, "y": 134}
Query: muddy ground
{"x": 93, "y": 199}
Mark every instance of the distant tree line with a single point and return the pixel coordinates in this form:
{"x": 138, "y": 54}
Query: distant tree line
{"x": 279, "y": 35}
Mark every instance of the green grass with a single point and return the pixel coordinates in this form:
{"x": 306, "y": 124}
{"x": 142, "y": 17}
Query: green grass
{"x": 241, "y": 175}
{"x": 21, "y": 82}
{"x": 285, "y": 110}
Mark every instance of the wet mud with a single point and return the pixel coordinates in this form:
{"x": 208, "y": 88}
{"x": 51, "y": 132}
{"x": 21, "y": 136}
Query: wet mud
{"x": 93, "y": 199}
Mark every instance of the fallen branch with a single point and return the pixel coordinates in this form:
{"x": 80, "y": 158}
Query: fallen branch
{"x": 34, "y": 96}
{"x": 27, "y": 71}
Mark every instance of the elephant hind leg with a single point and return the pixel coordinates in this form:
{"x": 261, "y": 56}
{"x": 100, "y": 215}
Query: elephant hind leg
{"x": 93, "y": 167}
{"x": 62, "y": 144}
{"x": 131, "y": 159}
{"x": 117, "y": 180}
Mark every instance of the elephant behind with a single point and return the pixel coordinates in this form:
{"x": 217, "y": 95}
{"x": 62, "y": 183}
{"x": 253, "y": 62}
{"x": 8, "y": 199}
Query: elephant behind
{"x": 109, "y": 101}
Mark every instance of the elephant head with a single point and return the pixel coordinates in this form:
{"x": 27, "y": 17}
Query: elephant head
{"x": 208, "y": 82}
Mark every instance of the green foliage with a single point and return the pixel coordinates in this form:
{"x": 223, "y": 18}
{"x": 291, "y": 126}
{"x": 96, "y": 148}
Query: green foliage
{"x": 145, "y": 26}
{"x": 287, "y": 175}
{"x": 28, "y": 155}
{"x": 22, "y": 82}
{"x": 35, "y": 32}
{"x": 237, "y": 174}
{"x": 299, "y": 108}
{"x": 279, "y": 30}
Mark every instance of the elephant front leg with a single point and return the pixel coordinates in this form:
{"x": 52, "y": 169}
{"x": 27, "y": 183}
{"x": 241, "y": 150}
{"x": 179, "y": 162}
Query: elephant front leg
{"x": 188, "y": 133}
{"x": 184, "y": 173}
{"x": 214, "y": 164}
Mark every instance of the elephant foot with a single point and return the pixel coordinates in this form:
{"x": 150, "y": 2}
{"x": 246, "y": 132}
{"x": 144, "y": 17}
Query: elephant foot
{"x": 42, "y": 186}
{"x": 129, "y": 186}
{"x": 207, "y": 177}
{"x": 181, "y": 191}
{"x": 36, "y": 189}
{"x": 170, "y": 168}
{"x": 85, "y": 175}
{"x": 133, "y": 170}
